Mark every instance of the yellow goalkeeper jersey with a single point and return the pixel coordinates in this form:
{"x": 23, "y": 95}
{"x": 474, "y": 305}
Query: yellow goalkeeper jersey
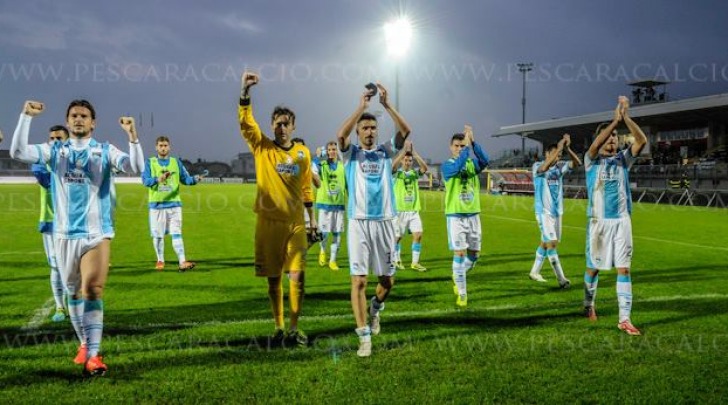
{"x": 283, "y": 176}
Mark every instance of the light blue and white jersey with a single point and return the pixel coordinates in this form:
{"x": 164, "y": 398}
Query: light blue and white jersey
{"x": 369, "y": 182}
{"x": 82, "y": 186}
{"x": 607, "y": 183}
{"x": 549, "y": 188}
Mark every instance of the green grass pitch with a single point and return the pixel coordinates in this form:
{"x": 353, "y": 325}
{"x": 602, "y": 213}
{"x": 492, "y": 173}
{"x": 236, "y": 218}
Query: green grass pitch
{"x": 201, "y": 336}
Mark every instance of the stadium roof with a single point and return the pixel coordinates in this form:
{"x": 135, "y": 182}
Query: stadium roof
{"x": 680, "y": 113}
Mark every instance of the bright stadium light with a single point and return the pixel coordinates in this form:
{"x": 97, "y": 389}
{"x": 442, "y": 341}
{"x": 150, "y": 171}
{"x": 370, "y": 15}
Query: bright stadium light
{"x": 398, "y": 34}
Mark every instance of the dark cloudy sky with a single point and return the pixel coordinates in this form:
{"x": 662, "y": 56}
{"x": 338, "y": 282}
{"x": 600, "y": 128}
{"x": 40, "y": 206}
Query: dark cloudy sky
{"x": 181, "y": 61}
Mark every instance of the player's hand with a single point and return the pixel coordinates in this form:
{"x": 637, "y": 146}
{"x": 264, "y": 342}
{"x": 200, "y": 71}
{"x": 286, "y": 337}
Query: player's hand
{"x": 383, "y": 95}
{"x": 313, "y": 225}
{"x": 248, "y": 80}
{"x": 407, "y": 145}
{"x": 33, "y": 108}
{"x": 468, "y": 132}
{"x": 128, "y": 125}
{"x": 624, "y": 105}
{"x": 567, "y": 140}
{"x": 618, "y": 113}
{"x": 364, "y": 101}
{"x": 164, "y": 177}
{"x": 198, "y": 178}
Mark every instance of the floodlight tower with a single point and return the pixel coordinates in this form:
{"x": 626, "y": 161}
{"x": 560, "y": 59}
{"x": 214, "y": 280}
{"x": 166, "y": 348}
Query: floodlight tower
{"x": 524, "y": 68}
{"x": 398, "y": 35}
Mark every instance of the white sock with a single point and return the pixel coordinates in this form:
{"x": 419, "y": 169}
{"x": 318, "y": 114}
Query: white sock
{"x": 75, "y": 312}
{"x": 159, "y": 248}
{"x": 336, "y": 239}
{"x": 179, "y": 248}
{"x": 57, "y": 287}
{"x": 458, "y": 272}
{"x": 624, "y": 296}
{"x": 556, "y": 264}
{"x": 538, "y": 263}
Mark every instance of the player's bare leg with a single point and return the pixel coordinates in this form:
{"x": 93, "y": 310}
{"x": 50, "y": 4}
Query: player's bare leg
{"x": 359, "y": 307}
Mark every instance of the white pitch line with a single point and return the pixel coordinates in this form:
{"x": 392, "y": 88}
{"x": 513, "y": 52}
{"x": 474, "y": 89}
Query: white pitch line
{"x": 39, "y": 316}
{"x": 581, "y": 228}
{"x": 20, "y": 253}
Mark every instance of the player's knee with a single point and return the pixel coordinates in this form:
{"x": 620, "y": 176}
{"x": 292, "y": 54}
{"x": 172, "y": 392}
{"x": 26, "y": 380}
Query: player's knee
{"x": 386, "y": 282}
{"x": 358, "y": 282}
{"x": 93, "y": 292}
{"x": 459, "y": 253}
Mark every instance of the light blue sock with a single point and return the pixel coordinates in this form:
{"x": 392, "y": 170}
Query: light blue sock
{"x": 416, "y": 249}
{"x": 590, "y": 289}
{"x": 93, "y": 325}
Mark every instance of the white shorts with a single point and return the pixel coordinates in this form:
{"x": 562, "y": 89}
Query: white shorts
{"x": 407, "y": 221}
{"x": 68, "y": 256}
{"x": 165, "y": 221}
{"x": 50, "y": 250}
{"x": 371, "y": 244}
{"x": 609, "y": 243}
{"x": 550, "y": 227}
{"x": 464, "y": 233}
{"x": 331, "y": 221}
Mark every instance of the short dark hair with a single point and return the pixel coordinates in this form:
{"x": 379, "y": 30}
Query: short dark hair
{"x": 161, "y": 138}
{"x": 366, "y": 117}
{"x": 81, "y": 103}
{"x": 59, "y": 128}
{"x": 408, "y": 153}
{"x": 551, "y": 147}
{"x": 332, "y": 143}
{"x": 299, "y": 140}
{"x": 457, "y": 137}
{"x": 282, "y": 110}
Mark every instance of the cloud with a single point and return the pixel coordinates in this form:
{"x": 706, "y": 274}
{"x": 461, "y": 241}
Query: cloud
{"x": 236, "y": 23}
{"x": 17, "y": 30}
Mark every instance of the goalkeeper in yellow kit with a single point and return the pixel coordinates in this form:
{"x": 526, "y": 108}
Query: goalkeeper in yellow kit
{"x": 283, "y": 177}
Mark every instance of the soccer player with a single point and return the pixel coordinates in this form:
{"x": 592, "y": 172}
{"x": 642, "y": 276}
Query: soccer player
{"x": 58, "y": 133}
{"x": 83, "y": 224}
{"x": 330, "y": 200}
{"x": 163, "y": 175}
{"x": 462, "y": 207}
{"x": 548, "y": 183}
{"x": 407, "y": 197}
{"x": 371, "y": 210}
{"x": 283, "y": 171}
{"x": 609, "y": 227}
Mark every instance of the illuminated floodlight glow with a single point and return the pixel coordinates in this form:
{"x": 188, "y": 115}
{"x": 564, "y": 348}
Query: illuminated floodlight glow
{"x": 398, "y": 35}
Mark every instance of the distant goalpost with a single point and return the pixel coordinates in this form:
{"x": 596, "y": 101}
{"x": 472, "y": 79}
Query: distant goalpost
{"x": 509, "y": 181}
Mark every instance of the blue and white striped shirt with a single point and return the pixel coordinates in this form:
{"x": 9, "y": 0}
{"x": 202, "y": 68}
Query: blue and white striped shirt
{"x": 369, "y": 182}
{"x": 607, "y": 183}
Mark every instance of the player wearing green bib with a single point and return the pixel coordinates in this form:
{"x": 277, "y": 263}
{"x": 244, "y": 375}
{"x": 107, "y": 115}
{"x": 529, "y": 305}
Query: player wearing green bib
{"x": 330, "y": 202}
{"x": 407, "y": 200}
{"x": 462, "y": 207}
{"x": 58, "y": 133}
{"x": 163, "y": 175}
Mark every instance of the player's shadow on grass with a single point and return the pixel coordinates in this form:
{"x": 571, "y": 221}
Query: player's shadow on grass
{"x": 679, "y": 274}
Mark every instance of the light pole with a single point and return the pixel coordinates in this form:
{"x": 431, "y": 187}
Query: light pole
{"x": 524, "y": 68}
{"x": 398, "y": 35}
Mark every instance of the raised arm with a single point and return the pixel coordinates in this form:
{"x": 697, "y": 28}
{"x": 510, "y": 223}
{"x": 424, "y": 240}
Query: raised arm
{"x": 639, "y": 137}
{"x": 136, "y": 156}
{"x": 249, "y": 129}
{"x": 551, "y": 160}
{"x": 605, "y": 133}
{"x": 345, "y": 130}
{"x": 402, "y": 127}
{"x": 481, "y": 158}
{"x": 420, "y": 162}
{"x": 19, "y": 148}
{"x": 397, "y": 161}
{"x": 575, "y": 161}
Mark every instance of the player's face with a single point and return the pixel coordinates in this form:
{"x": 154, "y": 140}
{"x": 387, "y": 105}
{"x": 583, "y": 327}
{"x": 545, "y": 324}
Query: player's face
{"x": 163, "y": 149}
{"x": 57, "y": 136}
{"x": 80, "y": 122}
{"x": 283, "y": 128}
{"x": 331, "y": 152}
{"x": 610, "y": 146}
{"x": 456, "y": 146}
{"x": 407, "y": 162}
{"x": 367, "y": 132}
